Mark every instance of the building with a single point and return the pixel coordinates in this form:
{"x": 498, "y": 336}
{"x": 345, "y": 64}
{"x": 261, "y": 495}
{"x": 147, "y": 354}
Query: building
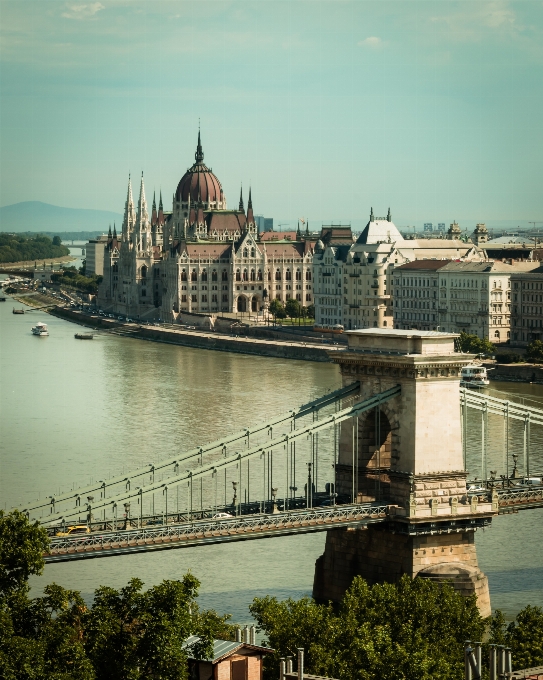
{"x": 480, "y": 235}
{"x": 527, "y": 307}
{"x": 264, "y": 223}
{"x": 94, "y": 262}
{"x": 202, "y": 257}
{"x": 229, "y": 661}
{"x": 353, "y": 281}
{"x": 415, "y": 294}
{"x": 428, "y": 226}
{"x": 441, "y": 226}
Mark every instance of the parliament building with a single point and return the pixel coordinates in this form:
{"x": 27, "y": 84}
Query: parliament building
{"x": 201, "y": 257}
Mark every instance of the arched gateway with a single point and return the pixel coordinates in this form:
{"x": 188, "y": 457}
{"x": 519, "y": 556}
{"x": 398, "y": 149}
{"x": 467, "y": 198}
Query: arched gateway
{"x": 409, "y": 453}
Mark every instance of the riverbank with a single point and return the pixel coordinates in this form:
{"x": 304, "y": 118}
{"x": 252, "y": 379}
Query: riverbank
{"x": 7, "y": 267}
{"x": 524, "y": 373}
{"x": 283, "y": 349}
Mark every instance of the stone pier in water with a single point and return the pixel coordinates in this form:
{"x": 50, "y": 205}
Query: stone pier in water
{"x": 409, "y": 453}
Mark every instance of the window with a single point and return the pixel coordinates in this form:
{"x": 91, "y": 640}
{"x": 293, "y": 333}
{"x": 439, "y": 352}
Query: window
{"x": 308, "y": 297}
{"x": 225, "y": 276}
{"x": 253, "y": 252}
{"x": 245, "y": 252}
{"x": 204, "y": 298}
{"x": 144, "y": 293}
{"x": 308, "y": 275}
{"x": 194, "y": 276}
{"x": 288, "y": 275}
{"x": 298, "y": 275}
{"x": 183, "y": 275}
{"x": 183, "y": 298}
{"x": 143, "y": 272}
{"x": 259, "y": 275}
{"x": 497, "y": 334}
{"x": 214, "y": 298}
{"x": 245, "y": 275}
{"x": 224, "y": 297}
{"x": 278, "y": 275}
{"x": 204, "y": 275}
{"x": 238, "y": 275}
{"x": 214, "y": 275}
{"x": 193, "y": 298}
{"x": 253, "y": 275}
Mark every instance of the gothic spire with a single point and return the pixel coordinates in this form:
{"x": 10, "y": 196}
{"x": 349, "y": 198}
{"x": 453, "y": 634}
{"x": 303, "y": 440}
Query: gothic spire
{"x": 153, "y": 214}
{"x": 372, "y": 218}
{"x": 199, "y": 155}
{"x": 129, "y": 220}
{"x": 298, "y": 232}
{"x": 160, "y": 201}
{"x": 250, "y": 203}
{"x": 241, "y": 199}
{"x": 307, "y": 228}
{"x": 389, "y": 218}
{"x": 109, "y": 232}
{"x": 114, "y": 230}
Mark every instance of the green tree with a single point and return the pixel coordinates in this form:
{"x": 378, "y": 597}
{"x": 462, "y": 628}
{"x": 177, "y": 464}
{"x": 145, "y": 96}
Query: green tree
{"x": 293, "y": 308}
{"x": 472, "y": 344}
{"x": 57, "y": 241}
{"x": 413, "y": 630}
{"x": 534, "y": 351}
{"x": 311, "y": 311}
{"x": 22, "y": 545}
{"x": 524, "y": 635}
{"x": 277, "y": 309}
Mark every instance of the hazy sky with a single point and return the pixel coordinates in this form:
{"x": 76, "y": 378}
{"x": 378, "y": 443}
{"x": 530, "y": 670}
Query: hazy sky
{"x": 325, "y": 108}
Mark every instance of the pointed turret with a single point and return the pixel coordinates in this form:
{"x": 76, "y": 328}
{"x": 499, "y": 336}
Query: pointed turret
{"x": 298, "y": 232}
{"x": 109, "y": 233}
{"x": 241, "y": 208}
{"x": 372, "y": 218}
{"x": 389, "y": 218}
{"x": 307, "y": 228}
{"x": 114, "y": 231}
{"x": 199, "y": 155}
{"x": 129, "y": 220}
{"x": 250, "y": 216}
{"x": 160, "y": 219}
{"x": 143, "y": 226}
{"x": 153, "y": 214}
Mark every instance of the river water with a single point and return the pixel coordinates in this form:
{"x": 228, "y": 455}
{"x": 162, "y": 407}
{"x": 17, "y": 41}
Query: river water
{"x": 72, "y": 411}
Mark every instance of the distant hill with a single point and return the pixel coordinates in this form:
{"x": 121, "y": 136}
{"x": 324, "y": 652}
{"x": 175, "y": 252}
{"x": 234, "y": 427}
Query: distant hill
{"x": 35, "y": 216}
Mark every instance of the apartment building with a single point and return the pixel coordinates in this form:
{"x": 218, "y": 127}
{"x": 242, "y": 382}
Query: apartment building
{"x": 415, "y": 294}
{"x": 527, "y": 307}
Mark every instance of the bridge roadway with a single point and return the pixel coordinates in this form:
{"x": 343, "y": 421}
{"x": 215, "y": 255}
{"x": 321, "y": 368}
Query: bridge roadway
{"x": 245, "y": 527}
{"x": 214, "y": 530}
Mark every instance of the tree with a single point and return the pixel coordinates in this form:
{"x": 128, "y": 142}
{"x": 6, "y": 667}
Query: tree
{"x": 534, "y": 351}
{"x": 524, "y": 635}
{"x": 277, "y": 309}
{"x": 414, "y": 630}
{"x": 57, "y": 241}
{"x": 292, "y": 308}
{"x": 472, "y": 344}
{"x": 311, "y": 311}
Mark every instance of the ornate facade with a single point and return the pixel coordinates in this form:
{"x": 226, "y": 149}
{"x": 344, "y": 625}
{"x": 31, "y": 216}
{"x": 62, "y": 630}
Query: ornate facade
{"x": 201, "y": 257}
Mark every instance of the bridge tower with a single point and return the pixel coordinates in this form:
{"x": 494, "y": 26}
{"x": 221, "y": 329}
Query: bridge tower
{"x": 408, "y": 452}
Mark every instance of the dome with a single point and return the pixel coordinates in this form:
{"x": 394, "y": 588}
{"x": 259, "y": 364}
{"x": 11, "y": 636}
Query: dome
{"x": 199, "y": 182}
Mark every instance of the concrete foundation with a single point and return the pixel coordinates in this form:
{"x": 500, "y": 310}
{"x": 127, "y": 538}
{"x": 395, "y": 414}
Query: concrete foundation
{"x": 378, "y": 556}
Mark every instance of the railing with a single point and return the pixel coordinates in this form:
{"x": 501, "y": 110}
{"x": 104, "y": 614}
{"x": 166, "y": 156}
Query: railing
{"x": 215, "y": 530}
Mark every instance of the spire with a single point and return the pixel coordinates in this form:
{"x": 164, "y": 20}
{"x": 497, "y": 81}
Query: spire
{"x": 307, "y": 228}
{"x": 109, "y": 232}
{"x": 199, "y": 155}
{"x": 160, "y": 219}
{"x": 250, "y": 203}
{"x": 129, "y": 220}
{"x": 250, "y": 216}
{"x": 160, "y": 201}
{"x": 153, "y": 214}
{"x": 372, "y": 218}
{"x": 298, "y": 232}
{"x": 142, "y": 203}
{"x": 114, "y": 230}
{"x": 389, "y": 218}
{"x": 241, "y": 199}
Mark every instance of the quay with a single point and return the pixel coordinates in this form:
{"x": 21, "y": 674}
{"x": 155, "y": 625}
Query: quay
{"x": 310, "y": 350}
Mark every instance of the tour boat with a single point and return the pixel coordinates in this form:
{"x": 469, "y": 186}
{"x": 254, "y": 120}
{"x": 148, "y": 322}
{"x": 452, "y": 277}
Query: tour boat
{"x": 40, "y": 329}
{"x": 474, "y": 376}
{"x": 18, "y": 311}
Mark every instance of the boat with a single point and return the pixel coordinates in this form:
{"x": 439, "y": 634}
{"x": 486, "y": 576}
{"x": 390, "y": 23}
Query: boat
{"x": 474, "y": 376}
{"x": 2, "y": 299}
{"x": 18, "y": 311}
{"x": 84, "y": 336}
{"x": 40, "y": 329}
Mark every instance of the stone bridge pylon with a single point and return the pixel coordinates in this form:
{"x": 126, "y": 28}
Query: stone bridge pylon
{"x": 408, "y": 451}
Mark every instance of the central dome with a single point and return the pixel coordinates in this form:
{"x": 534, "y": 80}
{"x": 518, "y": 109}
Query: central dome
{"x": 199, "y": 182}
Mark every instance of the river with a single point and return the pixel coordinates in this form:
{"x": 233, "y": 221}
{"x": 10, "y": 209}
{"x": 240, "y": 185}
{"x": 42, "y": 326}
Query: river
{"x": 72, "y": 411}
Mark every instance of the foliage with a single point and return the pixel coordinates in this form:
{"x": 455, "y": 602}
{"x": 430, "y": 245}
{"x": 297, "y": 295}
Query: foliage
{"x": 71, "y": 277}
{"x": 277, "y": 309}
{"x": 293, "y": 308}
{"x": 534, "y": 351}
{"x": 524, "y": 635}
{"x": 508, "y": 358}
{"x": 311, "y": 311}
{"x": 57, "y": 241}
{"x": 126, "y": 633}
{"x": 20, "y": 248}
{"x": 412, "y": 630}
{"x": 472, "y": 344}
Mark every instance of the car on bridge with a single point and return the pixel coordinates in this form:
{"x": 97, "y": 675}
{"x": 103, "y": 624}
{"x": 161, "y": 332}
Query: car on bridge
{"x": 75, "y": 530}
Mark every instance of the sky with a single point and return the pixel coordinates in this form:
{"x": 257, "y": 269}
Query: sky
{"x": 325, "y": 108}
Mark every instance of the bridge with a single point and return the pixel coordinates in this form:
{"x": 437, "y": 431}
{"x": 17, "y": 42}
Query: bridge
{"x": 387, "y": 455}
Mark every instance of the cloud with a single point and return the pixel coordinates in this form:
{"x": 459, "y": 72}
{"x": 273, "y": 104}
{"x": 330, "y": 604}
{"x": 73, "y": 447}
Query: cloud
{"x": 82, "y": 10}
{"x": 469, "y": 21}
{"x": 372, "y": 41}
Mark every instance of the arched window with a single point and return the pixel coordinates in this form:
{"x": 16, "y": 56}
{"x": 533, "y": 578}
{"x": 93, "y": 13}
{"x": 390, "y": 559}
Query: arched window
{"x": 245, "y": 252}
{"x": 238, "y": 275}
{"x": 253, "y": 252}
{"x": 253, "y": 275}
{"x": 298, "y": 275}
{"x": 497, "y": 334}
{"x": 259, "y": 275}
{"x": 143, "y": 272}
{"x": 183, "y": 275}
{"x": 278, "y": 275}
{"x": 308, "y": 275}
{"x": 116, "y": 267}
{"x": 225, "y": 275}
{"x": 194, "y": 275}
{"x": 288, "y": 275}
{"x": 204, "y": 275}
{"x": 269, "y": 275}
{"x": 245, "y": 275}
{"x": 214, "y": 275}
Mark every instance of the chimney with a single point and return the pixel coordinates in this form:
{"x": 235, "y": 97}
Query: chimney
{"x": 300, "y": 663}
{"x": 252, "y": 637}
{"x": 238, "y": 634}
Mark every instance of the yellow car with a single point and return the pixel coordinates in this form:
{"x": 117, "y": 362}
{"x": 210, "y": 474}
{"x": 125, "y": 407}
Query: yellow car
{"x": 71, "y": 531}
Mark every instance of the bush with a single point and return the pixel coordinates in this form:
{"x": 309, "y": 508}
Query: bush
{"x": 472, "y": 344}
{"x": 509, "y": 358}
{"x": 534, "y": 351}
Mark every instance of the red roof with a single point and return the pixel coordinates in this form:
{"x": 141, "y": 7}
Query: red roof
{"x": 201, "y": 184}
{"x": 277, "y": 235}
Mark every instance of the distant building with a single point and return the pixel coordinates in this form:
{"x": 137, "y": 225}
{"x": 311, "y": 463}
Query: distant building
{"x": 264, "y": 223}
{"x": 527, "y": 307}
{"x": 94, "y": 263}
{"x": 428, "y": 226}
{"x": 480, "y": 235}
{"x": 415, "y": 293}
{"x": 441, "y": 226}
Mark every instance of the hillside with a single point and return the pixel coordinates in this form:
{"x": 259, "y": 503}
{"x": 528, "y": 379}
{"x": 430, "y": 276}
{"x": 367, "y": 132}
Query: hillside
{"x": 35, "y": 216}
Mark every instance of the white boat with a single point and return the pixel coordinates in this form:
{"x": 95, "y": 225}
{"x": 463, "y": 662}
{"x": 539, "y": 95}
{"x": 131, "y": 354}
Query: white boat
{"x": 40, "y": 329}
{"x": 474, "y": 376}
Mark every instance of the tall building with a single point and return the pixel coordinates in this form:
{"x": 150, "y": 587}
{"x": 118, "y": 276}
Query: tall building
{"x": 415, "y": 294}
{"x": 353, "y": 281}
{"x": 428, "y": 226}
{"x": 94, "y": 255}
{"x": 201, "y": 257}
{"x": 527, "y": 307}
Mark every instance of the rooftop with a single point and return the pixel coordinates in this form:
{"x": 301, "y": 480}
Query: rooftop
{"x": 397, "y": 341}
{"x": 423, "y": 264}
{"x": 223, "y": 648}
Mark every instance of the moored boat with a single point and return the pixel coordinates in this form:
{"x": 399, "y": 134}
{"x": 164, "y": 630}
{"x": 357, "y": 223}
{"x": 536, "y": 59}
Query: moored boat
{"x": 84, "y": 336}
{"x": 18, "y": 311}
{"x": 40, "y": 329}
{"x": 474, "y": 376}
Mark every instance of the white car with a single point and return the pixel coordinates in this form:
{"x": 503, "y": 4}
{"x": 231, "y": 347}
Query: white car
{"x": 531, "y": 481}
{"x": 222, "y": 515}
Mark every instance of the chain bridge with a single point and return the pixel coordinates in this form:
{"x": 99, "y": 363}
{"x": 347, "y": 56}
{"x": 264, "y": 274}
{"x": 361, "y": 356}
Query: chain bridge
{"x": 399, "y": 467}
